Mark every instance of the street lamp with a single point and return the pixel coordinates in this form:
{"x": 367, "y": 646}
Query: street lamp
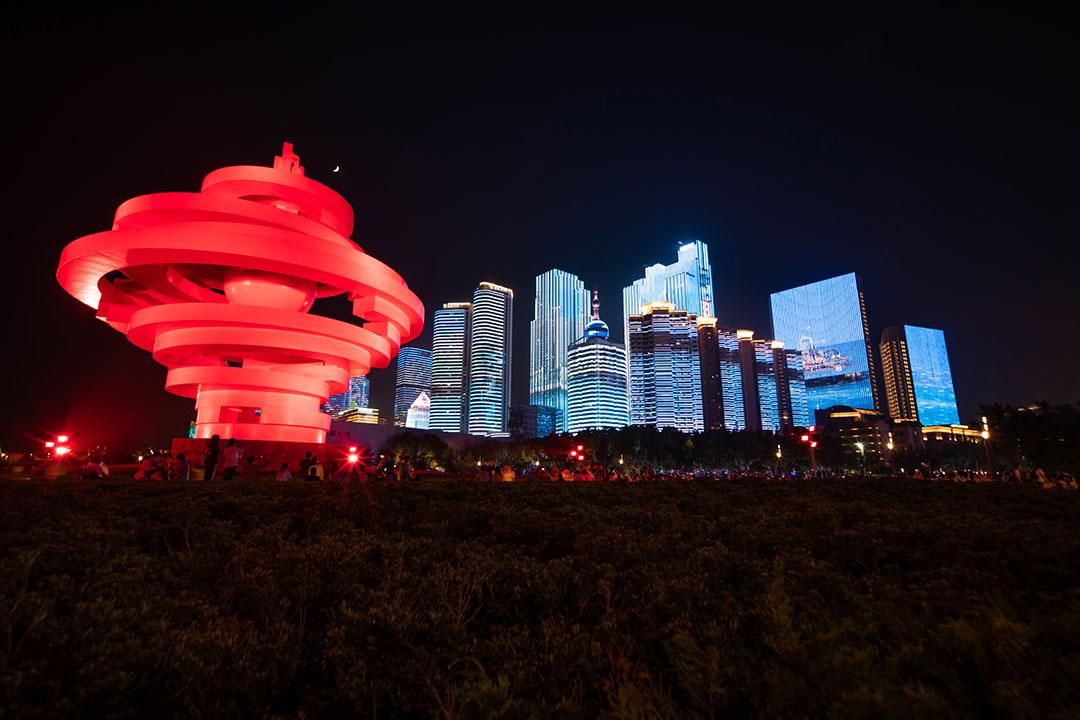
{"x": 862, "y": 452}
{"x": 986, "y": 444}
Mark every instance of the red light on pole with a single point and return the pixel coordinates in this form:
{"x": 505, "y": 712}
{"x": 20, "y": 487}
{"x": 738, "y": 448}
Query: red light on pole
{"x": 805, "y": 438}
{"x": 61, "y": 450}
{"x": 61, "y": 438}
{"x": 813, "y": 444}
{"x": 354, "y": 458}
{"x": 50, "y": 443}
{"x": 352, "y": 449}
{"x": 573, "y": 453}
{"x": 812, "y": 428}
{"x": 580, "y": 447}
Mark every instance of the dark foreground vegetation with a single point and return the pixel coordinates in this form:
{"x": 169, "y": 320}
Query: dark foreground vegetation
{"x": 666, "y": 599}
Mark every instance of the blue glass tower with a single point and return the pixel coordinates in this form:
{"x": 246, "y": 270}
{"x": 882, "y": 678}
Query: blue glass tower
{"x": 413, "y": 378}
{"x": 918, "y": 379}
{"x": 561, "y": 311}
{"x": 686, "y": 284}
{"x": 827, "y": 322}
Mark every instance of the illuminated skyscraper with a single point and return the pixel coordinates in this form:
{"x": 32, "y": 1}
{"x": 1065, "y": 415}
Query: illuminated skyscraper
{"x": 419, "y": 413}
{"x": 665, "y": 372}
{"x": 450, "y": 367}
{"x": 356, "y": 397}
{"x": 827, "y": 322}
{"x": 686, "y": 284}
{"x": 755, "y": 384}
{"x": 561, "y": 311}
{"x": 489, "y": 360}
{"x": 413, "y": 378}
{"x": 596, "y": 379}
{"x": 918, "y": 380}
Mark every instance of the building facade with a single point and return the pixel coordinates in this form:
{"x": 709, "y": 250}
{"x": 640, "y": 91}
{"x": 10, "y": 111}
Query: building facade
{"x": 560, "y": 313}
{"x": 532, "y": 421}
{"x": 665, "y": 371}
{"x": 357, "y": 396}
{"x": 413, "y": 378}
{"x": 596, "y": 379}
{"x": 490, "y": 341}
{"x": 450, "y": 367}
{"x": 918, "y": 378}
{"x": 827, "y": 322}
{"x": 712, "y": 396}
{"x": 687, "y": 284}
{"x": 418, "y": 415}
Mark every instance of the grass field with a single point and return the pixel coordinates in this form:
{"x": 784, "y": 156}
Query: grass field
{"x": 450, "y": 598}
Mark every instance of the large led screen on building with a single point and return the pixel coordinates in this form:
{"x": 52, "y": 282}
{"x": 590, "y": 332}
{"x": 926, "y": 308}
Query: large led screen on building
{"x": 931, "y": 376}
{"x": 824, "y": 320}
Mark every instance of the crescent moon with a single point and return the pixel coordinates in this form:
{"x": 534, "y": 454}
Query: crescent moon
{"x": 337, "y": 168}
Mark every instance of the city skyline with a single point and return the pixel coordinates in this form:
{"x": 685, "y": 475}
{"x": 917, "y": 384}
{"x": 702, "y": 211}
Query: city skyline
{"x": 821, "y": 149}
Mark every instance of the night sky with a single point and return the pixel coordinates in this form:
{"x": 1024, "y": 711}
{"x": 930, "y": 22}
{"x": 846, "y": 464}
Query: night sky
{"x": 935, "y": 155}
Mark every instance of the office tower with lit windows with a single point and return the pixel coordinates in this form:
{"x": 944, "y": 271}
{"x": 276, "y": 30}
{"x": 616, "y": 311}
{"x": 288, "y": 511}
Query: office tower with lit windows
{"x": 528, "y": 422}
{"x": 665, "y": 372}
{"x": 413, "y": 378}
{"x": 827, "y": 322}
{"x": 418, "y": 415}
{"x": 790, "y": 387}
{"x": 450, "y": 367}
{"x": 596, "y": 379}
{"x": 488, "y": 399}
{"x": 687, "y": 284}
{"x": 918, "y": 379}
{"x": 768, "y": 390}
{"x": 560, "y": 313}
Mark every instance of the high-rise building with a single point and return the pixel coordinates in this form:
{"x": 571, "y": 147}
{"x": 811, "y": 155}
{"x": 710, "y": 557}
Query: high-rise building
{"x": 413, "y": 378}
{"x": 749, "y": 384}
{"x": 827, "y": 322}
{"x": 918, "y": 380}
{"x": 532, "y": 421}
{"x": 712, "y": 395}
{"x": 488, "y": 401}
{"x": 790, "y": 387}
{"x": 596, "y": 379}
{"x": 686, "y": 284}
{"x": 450, "y": 367}
{"x": 418, "y": 415}
{"x": 560, "y": 313}
{"x": 357, "y": 396}
{"x": 665, "y": 372}
{"x": 896, "y": 367}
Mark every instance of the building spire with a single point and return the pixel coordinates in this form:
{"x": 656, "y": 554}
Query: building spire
{"x": 595, "y": 305}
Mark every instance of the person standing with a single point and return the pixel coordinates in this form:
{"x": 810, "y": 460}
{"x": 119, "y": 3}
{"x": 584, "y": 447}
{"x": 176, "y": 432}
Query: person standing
{"x": 316, "y": 469}
{"x": 210, "y": 458}
{"x": 231, "y": 457}
{"x": 305, "y": 465}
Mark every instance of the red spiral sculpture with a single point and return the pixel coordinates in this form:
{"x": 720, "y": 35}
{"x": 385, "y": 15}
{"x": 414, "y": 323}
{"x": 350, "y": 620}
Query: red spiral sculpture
{"x": 217, "y": 285}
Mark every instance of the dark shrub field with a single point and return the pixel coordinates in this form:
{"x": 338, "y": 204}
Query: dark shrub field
{"x": 872, "y": 599}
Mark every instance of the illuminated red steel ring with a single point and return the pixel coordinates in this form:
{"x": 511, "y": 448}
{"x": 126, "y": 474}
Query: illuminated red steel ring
{"x": 217, "y": 286}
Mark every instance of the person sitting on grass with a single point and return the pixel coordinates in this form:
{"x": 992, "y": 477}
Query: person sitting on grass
{"x": 283, "y": 473}
{"x": 315, "y": 470}
{"x": 92, "y": 470}
{"x": 181, "y": 468}
{"x": 251, "y": 470}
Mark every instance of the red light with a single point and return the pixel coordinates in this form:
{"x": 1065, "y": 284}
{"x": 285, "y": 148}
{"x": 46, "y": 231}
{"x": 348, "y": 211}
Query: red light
{"x": 805, "y": 438}
{"x": 61, "y": 450}
{"x": 813, "y": 444}
{"x": 811, "y": 428}
{"x": 352, "y": 449}
{"x": 353, "y": 457}
{"x": 61, "y": 438}
{"x": 580, "y": 447}
{"x": 50, "y": 443}
{"x": 573, "y": 453}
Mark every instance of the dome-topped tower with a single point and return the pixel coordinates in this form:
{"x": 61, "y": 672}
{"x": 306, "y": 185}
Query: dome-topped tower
{"x": 596, "y": 328}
